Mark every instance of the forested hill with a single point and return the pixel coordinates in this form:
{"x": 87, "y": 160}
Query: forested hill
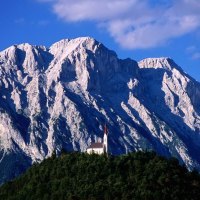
{"x": 140, "y": 176}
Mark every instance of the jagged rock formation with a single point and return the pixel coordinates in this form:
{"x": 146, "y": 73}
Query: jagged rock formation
{"x": 61, "y": 97}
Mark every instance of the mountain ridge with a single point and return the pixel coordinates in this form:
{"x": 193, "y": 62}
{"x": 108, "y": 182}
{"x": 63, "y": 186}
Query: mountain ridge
{"x": 59, "y": 97}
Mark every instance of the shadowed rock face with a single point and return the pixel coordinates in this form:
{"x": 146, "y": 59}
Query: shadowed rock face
{"x": 60, "y": 98}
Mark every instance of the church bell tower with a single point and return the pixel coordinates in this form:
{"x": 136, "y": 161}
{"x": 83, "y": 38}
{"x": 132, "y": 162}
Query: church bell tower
{"x": 105, "y": 140}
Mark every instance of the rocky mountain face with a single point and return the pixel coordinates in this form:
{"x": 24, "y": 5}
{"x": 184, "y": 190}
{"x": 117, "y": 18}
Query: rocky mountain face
{"x": 60, "y": 97}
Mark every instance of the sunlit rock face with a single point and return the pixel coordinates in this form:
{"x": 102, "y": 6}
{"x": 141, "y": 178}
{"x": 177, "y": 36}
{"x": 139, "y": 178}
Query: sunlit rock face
{"x": 60, "y": 98}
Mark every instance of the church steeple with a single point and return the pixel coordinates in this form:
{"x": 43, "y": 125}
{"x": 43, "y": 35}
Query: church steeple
{"x": 105, "y": 139}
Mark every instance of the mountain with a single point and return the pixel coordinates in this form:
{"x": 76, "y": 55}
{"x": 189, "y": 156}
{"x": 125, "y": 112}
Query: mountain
{"x": 80, "y": 176}
{"x": 60, "y": 97}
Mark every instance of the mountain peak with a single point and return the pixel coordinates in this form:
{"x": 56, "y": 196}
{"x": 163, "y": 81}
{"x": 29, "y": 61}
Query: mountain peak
{"x": 162, "y": 62}
{"x": 84, "y": 39}
{"x": 58, "y": 98}
{"x": 70, "y": 45}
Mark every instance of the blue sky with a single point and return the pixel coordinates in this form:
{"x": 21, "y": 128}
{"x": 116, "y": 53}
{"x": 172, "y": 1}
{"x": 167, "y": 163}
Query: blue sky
{"x": 133, "y": 28}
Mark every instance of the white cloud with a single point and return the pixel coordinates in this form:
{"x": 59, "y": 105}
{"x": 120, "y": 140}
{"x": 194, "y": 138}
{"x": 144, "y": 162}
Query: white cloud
{"x": 196, "y": 56}
{"x": 194, "y": 52}
{"x": 191, "y": 49}
{"x": 19, "y": 21}
{"x": 43, "y": 22}
{"x": 134, "y": 23}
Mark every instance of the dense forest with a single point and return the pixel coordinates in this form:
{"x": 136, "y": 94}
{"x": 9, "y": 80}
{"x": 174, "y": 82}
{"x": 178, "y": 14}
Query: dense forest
{"x": 139, "y": 176}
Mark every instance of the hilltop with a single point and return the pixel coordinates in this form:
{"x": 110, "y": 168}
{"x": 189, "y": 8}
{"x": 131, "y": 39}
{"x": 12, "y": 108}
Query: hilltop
{"x": 137, "y": 176}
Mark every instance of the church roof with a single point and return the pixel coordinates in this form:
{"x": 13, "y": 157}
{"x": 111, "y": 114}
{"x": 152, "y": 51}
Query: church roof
{"x": 95, "y": 145}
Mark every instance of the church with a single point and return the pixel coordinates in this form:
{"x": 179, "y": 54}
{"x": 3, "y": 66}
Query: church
{"x": 101, "y": 147}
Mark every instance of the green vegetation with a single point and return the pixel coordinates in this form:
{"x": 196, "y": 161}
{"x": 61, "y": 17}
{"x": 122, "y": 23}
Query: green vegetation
{"x": 139, "y": 176}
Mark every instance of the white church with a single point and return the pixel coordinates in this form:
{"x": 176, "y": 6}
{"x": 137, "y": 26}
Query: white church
{"x": 101, "y": 147}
